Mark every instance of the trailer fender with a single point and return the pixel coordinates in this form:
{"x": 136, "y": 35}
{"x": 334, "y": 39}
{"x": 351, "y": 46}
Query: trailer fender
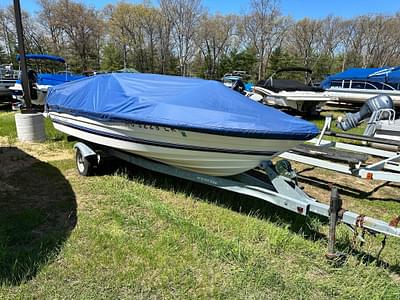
{"x": 85, "y": 150}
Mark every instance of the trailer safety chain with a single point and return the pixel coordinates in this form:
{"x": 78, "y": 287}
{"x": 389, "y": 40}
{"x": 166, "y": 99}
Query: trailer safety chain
{"x": 360, "y": 221}
{"x": 359, "y": 224}
{"x": 394, "y": 222}
{"x": 383, "y": 244}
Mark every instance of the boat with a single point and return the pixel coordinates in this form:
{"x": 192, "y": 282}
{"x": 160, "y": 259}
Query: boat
{"x": 356, "y": 85}
{"x": 8, "y": 77}
{"x": 189, "y": 123}
{"x": 231, "y": 79}
{"x": 291, "y": 94}
{"x": 40, "y": 82}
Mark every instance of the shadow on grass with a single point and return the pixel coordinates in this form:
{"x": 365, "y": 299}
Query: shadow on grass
{"x": 37, "y": 215}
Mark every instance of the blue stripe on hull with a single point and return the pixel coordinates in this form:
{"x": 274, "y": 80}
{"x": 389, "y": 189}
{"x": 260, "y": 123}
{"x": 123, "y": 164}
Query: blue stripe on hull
{"x": 164, "y": 144}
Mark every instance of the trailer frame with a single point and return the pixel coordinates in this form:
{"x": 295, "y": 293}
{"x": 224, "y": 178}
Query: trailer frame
{"x": 386, "y": 169}
{"x": 273, "y": 188}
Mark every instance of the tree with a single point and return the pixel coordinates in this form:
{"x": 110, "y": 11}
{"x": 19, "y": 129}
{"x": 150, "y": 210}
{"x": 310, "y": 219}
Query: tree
{"x": 184, "y": 15}
{"x": 305, "y": 41}
{"x": 238, "y": 60}
{"x": 111, "y": 59}
{"x": 48, "y": 20}
{"x": 7, "y": 34}
{"x": 134, "y": 28}
{"x": 265, "y": 28}
{"x": 213, "y": 39}
{"x": 82, "y": 27}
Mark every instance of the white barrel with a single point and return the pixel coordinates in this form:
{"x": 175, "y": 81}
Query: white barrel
{"x": 30, "y": 127}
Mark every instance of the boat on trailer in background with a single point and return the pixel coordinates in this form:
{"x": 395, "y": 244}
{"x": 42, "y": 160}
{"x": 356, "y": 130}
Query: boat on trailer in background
{"x": 356, "y": 85}
{"x": 8, "y": 77}
{"x": 292, "y": 94}
{"x": 237, "y": 81}
{"x": 39, "y": 81}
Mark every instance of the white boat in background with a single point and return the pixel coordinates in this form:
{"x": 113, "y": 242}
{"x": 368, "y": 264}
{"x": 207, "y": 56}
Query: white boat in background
{"x": 228, "y": 80}
{"x": 189, "y": 123}
{"x": 293, "y": 94}
{"x": 356, "y": 85}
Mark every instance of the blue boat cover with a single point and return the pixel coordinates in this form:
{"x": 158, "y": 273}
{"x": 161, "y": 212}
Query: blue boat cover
{"x": 387, "y": 75}
{"x": 177, "y": 102}
{"x": 55, "y": 79}
{"x": 43, "y": 56}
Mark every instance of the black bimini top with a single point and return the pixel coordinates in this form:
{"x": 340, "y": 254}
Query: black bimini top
{"x": 277, "y": 85}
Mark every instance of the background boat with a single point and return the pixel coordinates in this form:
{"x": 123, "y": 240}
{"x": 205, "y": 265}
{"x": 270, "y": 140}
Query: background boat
{"x": 292, "y": 94}
{"x": 356, "y": 85}
{"x": 39, "y": 82}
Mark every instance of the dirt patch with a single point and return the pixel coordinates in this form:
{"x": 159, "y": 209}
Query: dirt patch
{"x": 41, "y": 151}
{"x": 354, "y": 191}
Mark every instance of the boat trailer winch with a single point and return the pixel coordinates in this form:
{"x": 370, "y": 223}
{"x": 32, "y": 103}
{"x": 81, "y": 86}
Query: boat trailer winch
{"x": 275, "y": 184}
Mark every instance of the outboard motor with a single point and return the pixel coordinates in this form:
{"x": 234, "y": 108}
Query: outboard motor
{"x": 352, "y": 120}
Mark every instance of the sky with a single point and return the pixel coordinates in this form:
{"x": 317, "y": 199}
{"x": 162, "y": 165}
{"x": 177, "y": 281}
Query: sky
{"x": 298, "y": 9}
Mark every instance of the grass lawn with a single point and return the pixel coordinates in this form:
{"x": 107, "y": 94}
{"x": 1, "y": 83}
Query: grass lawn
{"x": 131, "y": 233}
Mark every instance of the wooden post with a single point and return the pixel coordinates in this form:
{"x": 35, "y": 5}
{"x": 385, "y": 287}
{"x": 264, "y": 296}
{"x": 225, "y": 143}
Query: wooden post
{"x": 21, "y": 50}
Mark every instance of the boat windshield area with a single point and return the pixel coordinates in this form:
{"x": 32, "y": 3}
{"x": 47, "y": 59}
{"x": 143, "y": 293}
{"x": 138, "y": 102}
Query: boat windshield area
{"x": 231, "y": 79}
{"x": 365, "y": 85}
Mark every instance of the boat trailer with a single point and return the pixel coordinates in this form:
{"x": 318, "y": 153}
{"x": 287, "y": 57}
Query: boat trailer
{"x": 349, "y": 158}
{"x": 273, "y": 183}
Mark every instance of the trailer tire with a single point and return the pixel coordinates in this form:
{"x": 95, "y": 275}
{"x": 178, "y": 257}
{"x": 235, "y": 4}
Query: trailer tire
{"x": 84, "y": 165}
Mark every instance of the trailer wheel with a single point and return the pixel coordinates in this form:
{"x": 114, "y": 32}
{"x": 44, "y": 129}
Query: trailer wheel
{"x": 84, "y": 165}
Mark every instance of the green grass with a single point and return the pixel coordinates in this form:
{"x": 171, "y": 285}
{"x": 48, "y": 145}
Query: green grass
{"x": 136, "y": 234}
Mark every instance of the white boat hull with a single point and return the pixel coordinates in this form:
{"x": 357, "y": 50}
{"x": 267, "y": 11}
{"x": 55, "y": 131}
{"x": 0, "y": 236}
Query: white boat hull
{"x": 297, "y": 100}
{"x": 211, "y": 154}
{"x": 361, "y": 95}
